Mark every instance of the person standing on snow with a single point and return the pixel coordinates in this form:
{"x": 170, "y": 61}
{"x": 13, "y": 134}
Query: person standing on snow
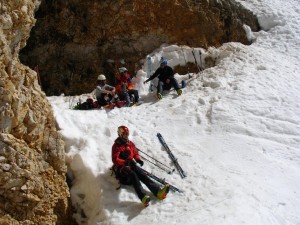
{"x": 124, "y": 158}
{"x": 166, "y": 78}
{"x": 124, "y": 87}
{"x": 104, "y": 92}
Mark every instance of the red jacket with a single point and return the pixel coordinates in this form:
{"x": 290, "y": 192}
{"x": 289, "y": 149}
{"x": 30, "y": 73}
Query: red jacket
{"x": 126, "y": 79}
{"x": 119, "y": 149}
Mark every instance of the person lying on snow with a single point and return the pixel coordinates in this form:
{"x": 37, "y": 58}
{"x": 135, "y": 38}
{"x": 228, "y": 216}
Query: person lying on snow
{"x": 125, "y": 158}
{"x": 166, "y": 78}
{"x": 124, "y": 87}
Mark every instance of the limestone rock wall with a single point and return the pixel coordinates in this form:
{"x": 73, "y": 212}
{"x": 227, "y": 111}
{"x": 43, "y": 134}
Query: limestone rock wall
{"x": 74, "y": 41}
{"x": 33, "y": 187}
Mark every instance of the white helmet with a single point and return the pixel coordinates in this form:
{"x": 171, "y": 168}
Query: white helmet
{"x": 122, "y": 69}
{"x": 101, "y": 77}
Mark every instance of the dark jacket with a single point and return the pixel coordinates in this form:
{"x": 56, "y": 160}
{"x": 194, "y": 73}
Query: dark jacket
{"x": 162, "y": 73}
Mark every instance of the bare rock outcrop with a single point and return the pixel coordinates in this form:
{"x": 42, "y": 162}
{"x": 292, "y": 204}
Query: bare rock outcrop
{"x": 33, "y": 188}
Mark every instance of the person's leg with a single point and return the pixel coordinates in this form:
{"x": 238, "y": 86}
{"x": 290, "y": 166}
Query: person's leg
{"x": 102, "y": 101}
{"x": 153, "y": 187}
{"x": 175, "y": 84}
{"x": 160, "y": 87}
{"x": 126, "y": 171}
{"x": 136, "y": 95}
{"x": 131, "y": 96}
{"x": 124, "y": 96}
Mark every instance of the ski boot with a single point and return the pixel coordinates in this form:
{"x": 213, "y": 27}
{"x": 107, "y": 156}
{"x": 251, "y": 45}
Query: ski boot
{"x": 179, "y": 91}
{"x": 159, "y": 96}
{"x": 146, "y": 200}
{"x": 119, "y": 104}
{"x": 162, "y": 194}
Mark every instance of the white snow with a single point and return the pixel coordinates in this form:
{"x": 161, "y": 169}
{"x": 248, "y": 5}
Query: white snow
{"x": 235, "y": 131}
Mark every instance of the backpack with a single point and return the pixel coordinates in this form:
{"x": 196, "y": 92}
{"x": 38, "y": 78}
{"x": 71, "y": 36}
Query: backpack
{"x": 122, "y": 179}
{"x": 88, "y": 104}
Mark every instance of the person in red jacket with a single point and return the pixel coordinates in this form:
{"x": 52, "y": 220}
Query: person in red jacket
{"x": 125, "y": 88}
{"x": 125, "y": 156}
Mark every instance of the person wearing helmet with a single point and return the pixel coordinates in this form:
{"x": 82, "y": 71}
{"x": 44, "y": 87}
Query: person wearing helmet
{"x": 125, "y": 157}
{"x": 104, "y": 92}
{"x": 124, "y": 87}
{"x": 166, "y": 78}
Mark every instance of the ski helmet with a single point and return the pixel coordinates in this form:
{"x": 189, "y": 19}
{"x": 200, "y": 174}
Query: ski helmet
{"x": 101, "y": 77}
{"x": 163, "y": 61}
{"x": 123, "y": 132}
{"x": 122, "y": 69}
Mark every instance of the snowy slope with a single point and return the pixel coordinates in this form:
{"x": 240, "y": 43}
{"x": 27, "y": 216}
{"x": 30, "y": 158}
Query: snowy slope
{"x": 235, "y": 131}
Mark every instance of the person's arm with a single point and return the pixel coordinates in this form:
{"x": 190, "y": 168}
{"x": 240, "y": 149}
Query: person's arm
{"x": 116, "y": 156}
{"x": 113, "y": 90}
{"x": 107, "y": 89}
{"x": 136, "y": 155}
{"x": 157, "y": 72}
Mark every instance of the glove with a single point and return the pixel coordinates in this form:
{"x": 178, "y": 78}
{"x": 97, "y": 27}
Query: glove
{"x": 124, "y": 155}
{"x": 130, "y": 163}
{"x": 140, "y": 162}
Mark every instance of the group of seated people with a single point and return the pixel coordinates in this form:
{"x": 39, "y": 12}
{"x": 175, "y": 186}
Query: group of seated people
{"x": 124, "y": 87}
{"x": 123, "y": 93}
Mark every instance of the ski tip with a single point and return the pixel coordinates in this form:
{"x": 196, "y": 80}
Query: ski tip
{"x": 183, "y": 175}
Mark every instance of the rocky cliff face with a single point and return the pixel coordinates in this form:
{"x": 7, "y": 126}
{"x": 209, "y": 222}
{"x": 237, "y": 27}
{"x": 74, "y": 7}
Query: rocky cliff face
{"x": 33, "y": 187}
{"x": 73, "y": 41}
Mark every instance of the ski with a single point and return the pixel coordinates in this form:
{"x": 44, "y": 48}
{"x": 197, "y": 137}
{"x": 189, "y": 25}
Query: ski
{"x": 160, "y": 180}
{"x": 188, "y": 68}
{"x": 174, "y": 160}
{"x": 200, "y": 53}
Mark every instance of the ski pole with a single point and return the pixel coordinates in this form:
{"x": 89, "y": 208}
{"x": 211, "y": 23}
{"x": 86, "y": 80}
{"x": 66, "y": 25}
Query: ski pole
{"x": 155, "y": 160}
{"x": 164, "y": 169}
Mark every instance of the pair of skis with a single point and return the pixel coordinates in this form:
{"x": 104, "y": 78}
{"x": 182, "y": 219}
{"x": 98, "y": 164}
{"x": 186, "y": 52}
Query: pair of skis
{"x": 173, "y": 158}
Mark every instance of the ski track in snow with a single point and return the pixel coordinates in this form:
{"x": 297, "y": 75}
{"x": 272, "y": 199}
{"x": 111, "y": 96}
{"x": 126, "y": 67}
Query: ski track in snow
{"x": 235, "y": 131}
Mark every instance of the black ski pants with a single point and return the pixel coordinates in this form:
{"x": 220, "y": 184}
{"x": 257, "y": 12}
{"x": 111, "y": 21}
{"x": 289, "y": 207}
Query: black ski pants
{"x": 133, "y": 175}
